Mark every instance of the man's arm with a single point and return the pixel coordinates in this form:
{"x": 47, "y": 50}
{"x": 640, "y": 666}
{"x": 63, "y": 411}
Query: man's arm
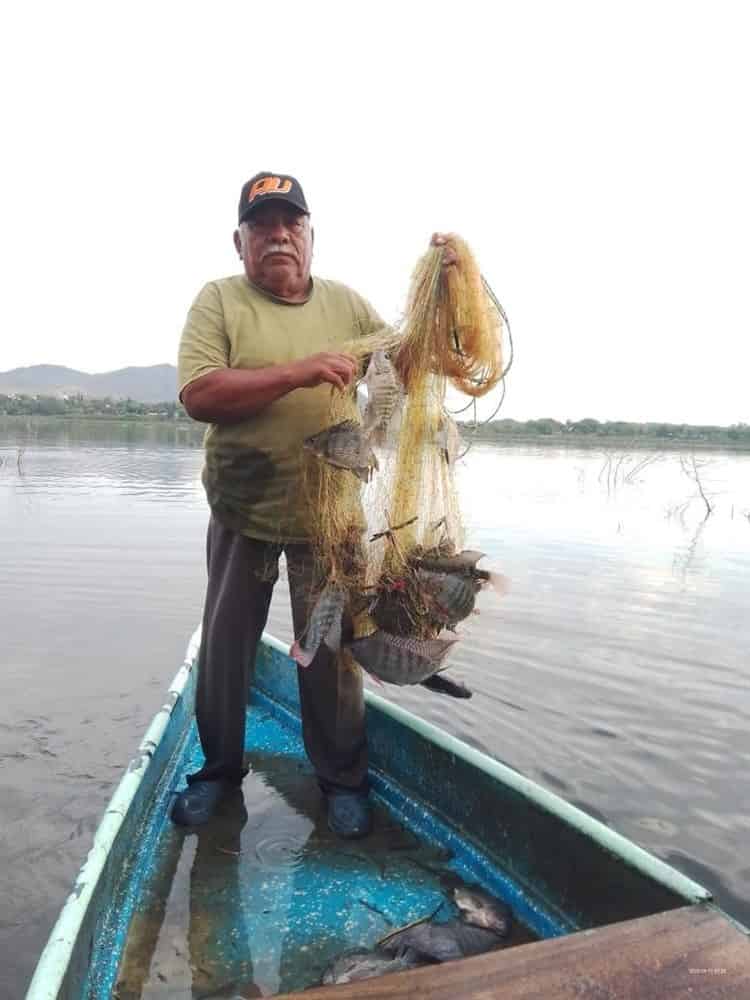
{"x": 228, "y": 395}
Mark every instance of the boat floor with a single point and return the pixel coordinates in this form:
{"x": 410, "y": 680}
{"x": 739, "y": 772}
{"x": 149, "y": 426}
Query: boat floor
{"x": 263, "y": 898}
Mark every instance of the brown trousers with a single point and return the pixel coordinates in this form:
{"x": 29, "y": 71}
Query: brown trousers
{"x": 241, "y": 576}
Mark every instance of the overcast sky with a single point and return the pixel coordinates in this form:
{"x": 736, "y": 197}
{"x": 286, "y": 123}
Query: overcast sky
{"x": 594, "y": 154}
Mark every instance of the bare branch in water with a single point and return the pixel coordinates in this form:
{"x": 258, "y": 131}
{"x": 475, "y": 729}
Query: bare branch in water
{"x": 692, "y": 470}
{"x": 615, "y": 471}
{"x": 640, "y": 466}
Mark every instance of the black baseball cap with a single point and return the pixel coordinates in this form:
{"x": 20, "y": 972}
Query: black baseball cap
{"x": 267, "y": 186}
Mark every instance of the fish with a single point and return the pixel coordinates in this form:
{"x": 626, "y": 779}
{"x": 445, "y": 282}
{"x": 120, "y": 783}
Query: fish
{"x": 356, "y": 965}
{"x": 399, "y": 659}
{"x": 442, "y": 942}
{"x": 482, "y": 910}
{"x": 345, "y": 446}
{"x": 324, "y": 625}
{"x": 450, "y": 596}
{"x": 384, "y": 394}
{"x": 462, "y": 564}
{"x": 484, "y": 924}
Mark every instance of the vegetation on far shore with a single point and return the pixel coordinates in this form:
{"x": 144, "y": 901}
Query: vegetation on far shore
{"x": 621, "y": 432}
{"x": 587, "y": 431}
{"x": 85, "y": 406}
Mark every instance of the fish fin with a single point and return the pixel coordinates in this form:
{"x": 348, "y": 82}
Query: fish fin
{"x": 299, "y": 655}
{"x": 441, "y": 684}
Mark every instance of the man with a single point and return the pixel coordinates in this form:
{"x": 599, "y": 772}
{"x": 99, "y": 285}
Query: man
{"x": 258, "y": 356}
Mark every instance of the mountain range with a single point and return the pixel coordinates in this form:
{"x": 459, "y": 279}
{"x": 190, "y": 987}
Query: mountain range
{"x": 152, "y": 384}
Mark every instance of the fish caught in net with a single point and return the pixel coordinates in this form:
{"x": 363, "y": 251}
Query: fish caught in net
{"x": 387, "y": 532}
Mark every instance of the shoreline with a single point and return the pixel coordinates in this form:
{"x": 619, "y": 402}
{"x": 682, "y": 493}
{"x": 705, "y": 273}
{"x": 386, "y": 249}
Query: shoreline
{"x": 608, "y": 441}
{"x": 502, "y": 438}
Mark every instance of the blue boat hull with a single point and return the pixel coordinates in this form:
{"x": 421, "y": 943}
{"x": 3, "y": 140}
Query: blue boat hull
{"x": 267, "y": 896}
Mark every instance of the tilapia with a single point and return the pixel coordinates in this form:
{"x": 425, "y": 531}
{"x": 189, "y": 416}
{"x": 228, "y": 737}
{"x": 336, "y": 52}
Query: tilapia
{"x": 367, "y": 964}
{"x": 450, "y": 597}
{"x": 443, "y": 942}
{"x": 478, "y": 908}
{"x": 324, "y": 626}
{"x": 461, "y": 564}
{"x": 483, "y": 925}
{"x": 384, "y": 393}
{"x": 399, "y": 659}
{"x": 345, "y": 446}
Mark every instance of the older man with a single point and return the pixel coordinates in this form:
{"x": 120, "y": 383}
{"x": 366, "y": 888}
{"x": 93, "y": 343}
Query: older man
{"x": 257, "y": 358}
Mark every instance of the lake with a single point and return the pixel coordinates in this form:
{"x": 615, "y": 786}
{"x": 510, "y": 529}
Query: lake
{"x": 614, "y": 672}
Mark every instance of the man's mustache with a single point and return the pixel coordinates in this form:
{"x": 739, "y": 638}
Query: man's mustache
{"x": 278, "y": 248}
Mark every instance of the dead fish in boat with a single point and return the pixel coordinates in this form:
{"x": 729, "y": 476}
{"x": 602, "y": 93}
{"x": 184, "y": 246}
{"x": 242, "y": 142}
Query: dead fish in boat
{"x": 448, "y": 439}
{"x": 398, "y": 659}
{"x": 367, "y": 964}
{"x": 324, "y": 626}
{"x": 451, "y": 597}
{"x": 441, "y": 684}
{"x": 384, "y": 394}
{"x": 444, "y": 942}
{"x": 484, "y": 925}
{"x": 345, "y": 446}
{"x": 482, "y": 910}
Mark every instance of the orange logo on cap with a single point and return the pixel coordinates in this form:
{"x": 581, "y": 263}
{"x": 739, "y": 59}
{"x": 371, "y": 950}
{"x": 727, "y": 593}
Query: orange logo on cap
{"x": 266, "y": 185}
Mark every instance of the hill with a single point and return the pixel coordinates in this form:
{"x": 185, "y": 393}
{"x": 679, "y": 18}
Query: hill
{"x": 152, "y": 384}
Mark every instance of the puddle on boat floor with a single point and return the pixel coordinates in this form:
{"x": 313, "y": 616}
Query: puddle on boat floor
{"x": 264, "y": 897}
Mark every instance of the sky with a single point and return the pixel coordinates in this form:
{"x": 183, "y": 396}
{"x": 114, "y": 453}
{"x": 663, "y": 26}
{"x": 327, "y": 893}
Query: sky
{"x": 595, "y": 155}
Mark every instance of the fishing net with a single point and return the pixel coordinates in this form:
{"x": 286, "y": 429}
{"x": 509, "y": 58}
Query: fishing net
{"x": 376, "y": 530}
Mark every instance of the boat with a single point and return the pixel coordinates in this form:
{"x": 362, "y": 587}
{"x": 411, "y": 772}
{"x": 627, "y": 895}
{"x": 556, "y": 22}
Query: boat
{"x": 262, "y": 898}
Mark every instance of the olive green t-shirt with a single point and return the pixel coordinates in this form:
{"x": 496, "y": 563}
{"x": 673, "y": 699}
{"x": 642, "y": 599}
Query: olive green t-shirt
{"x": 253, "y": 469}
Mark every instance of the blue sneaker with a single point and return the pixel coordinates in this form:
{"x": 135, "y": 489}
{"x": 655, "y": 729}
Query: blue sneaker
{"x": 349, "y": 814}
{"x": 198, "y": 803}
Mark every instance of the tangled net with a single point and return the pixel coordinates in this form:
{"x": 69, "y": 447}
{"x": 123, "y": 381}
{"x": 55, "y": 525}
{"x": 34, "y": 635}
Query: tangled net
{"x": 373, "y": 540}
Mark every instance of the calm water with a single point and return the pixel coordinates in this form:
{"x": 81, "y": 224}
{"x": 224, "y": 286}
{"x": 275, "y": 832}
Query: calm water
{"x": 614, "y": 673}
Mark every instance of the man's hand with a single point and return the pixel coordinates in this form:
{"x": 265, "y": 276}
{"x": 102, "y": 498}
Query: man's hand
{"x": 338, "y": 369}
{"x": 449, "y": 254}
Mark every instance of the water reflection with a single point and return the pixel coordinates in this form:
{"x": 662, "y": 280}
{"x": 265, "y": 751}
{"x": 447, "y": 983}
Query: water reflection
{"x": 72, "y": 432}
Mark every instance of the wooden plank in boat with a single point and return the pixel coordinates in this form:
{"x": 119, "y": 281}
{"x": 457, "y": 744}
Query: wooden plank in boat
{"x": 692, "y": 952}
